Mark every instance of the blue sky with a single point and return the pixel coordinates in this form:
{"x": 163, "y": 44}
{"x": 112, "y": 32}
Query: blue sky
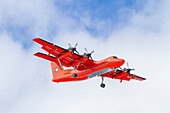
{"x": 135, "y": 30}
{"x": 103, "y": 9}
{"x": 112, "y": 13}
{"x": 108, "y": 10}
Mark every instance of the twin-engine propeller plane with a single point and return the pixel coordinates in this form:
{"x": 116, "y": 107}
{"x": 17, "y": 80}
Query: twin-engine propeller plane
{"x": 84, "y": 66}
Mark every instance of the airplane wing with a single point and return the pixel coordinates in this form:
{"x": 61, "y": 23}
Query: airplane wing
{"x": 47, "y": 57}
{"x": 122, "y": 76}
{"x": 67, "y": 57}
{"x": 135, "y": 77}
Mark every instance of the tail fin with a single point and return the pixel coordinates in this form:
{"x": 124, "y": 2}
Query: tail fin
{"x": 57, "y": 68}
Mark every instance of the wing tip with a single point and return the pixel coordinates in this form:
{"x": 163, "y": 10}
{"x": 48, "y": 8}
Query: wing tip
{"x": 37, "y": 54}
{"x": 35, "y": 39}
{"x": 141, "y": 78}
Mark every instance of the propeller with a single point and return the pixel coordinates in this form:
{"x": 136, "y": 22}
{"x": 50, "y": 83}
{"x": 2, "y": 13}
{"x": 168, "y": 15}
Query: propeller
{"x": 124, "y": 69}
{"x": 116, "y": 69}
{"x": 128, "y": 69}
{"x": 73, "y": 49}
{"x": 88, "y": 55}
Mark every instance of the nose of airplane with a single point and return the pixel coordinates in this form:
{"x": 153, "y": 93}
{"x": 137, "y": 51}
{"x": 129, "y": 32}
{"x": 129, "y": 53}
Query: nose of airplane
{"x": 122, "y": 61}
{"x": 118, "y": 62}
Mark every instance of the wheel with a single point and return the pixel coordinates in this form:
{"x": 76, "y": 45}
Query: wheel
{"x": 74, "y": 75}
{"x": 102, "y": 85}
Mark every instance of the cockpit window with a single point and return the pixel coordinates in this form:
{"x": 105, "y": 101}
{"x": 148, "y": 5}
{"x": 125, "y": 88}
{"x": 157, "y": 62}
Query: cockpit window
{"x": 114, "y": 56}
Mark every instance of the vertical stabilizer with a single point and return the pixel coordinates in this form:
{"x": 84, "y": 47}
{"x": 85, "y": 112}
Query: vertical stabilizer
{"x": 57, "y": 68}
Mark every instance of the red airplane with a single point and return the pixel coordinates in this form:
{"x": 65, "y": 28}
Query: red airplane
{"x": 84, "y": 66}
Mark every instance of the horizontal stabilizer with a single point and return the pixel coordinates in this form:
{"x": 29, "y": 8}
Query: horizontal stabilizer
{"x": 44, "y": 56}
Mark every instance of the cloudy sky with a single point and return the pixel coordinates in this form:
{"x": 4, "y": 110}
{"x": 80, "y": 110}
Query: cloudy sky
{"x": 137, "y": 31}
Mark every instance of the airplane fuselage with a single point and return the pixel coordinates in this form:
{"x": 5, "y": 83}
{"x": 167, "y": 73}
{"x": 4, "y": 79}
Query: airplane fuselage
{"x": 100, "y": 67}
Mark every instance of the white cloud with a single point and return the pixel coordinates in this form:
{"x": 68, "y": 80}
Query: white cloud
{"x": 26, "y": 84}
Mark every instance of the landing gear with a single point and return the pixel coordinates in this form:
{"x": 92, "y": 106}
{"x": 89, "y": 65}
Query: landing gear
{"x": 74, "y": 75}
{"x": 102, "y": 84}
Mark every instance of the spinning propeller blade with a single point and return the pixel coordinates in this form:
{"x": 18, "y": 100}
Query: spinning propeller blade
{"x": 127, "y": 64}
{"x": 73, "y": 49}
{"x": 88, "y": 55}
{"x": 128, "y": 70}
